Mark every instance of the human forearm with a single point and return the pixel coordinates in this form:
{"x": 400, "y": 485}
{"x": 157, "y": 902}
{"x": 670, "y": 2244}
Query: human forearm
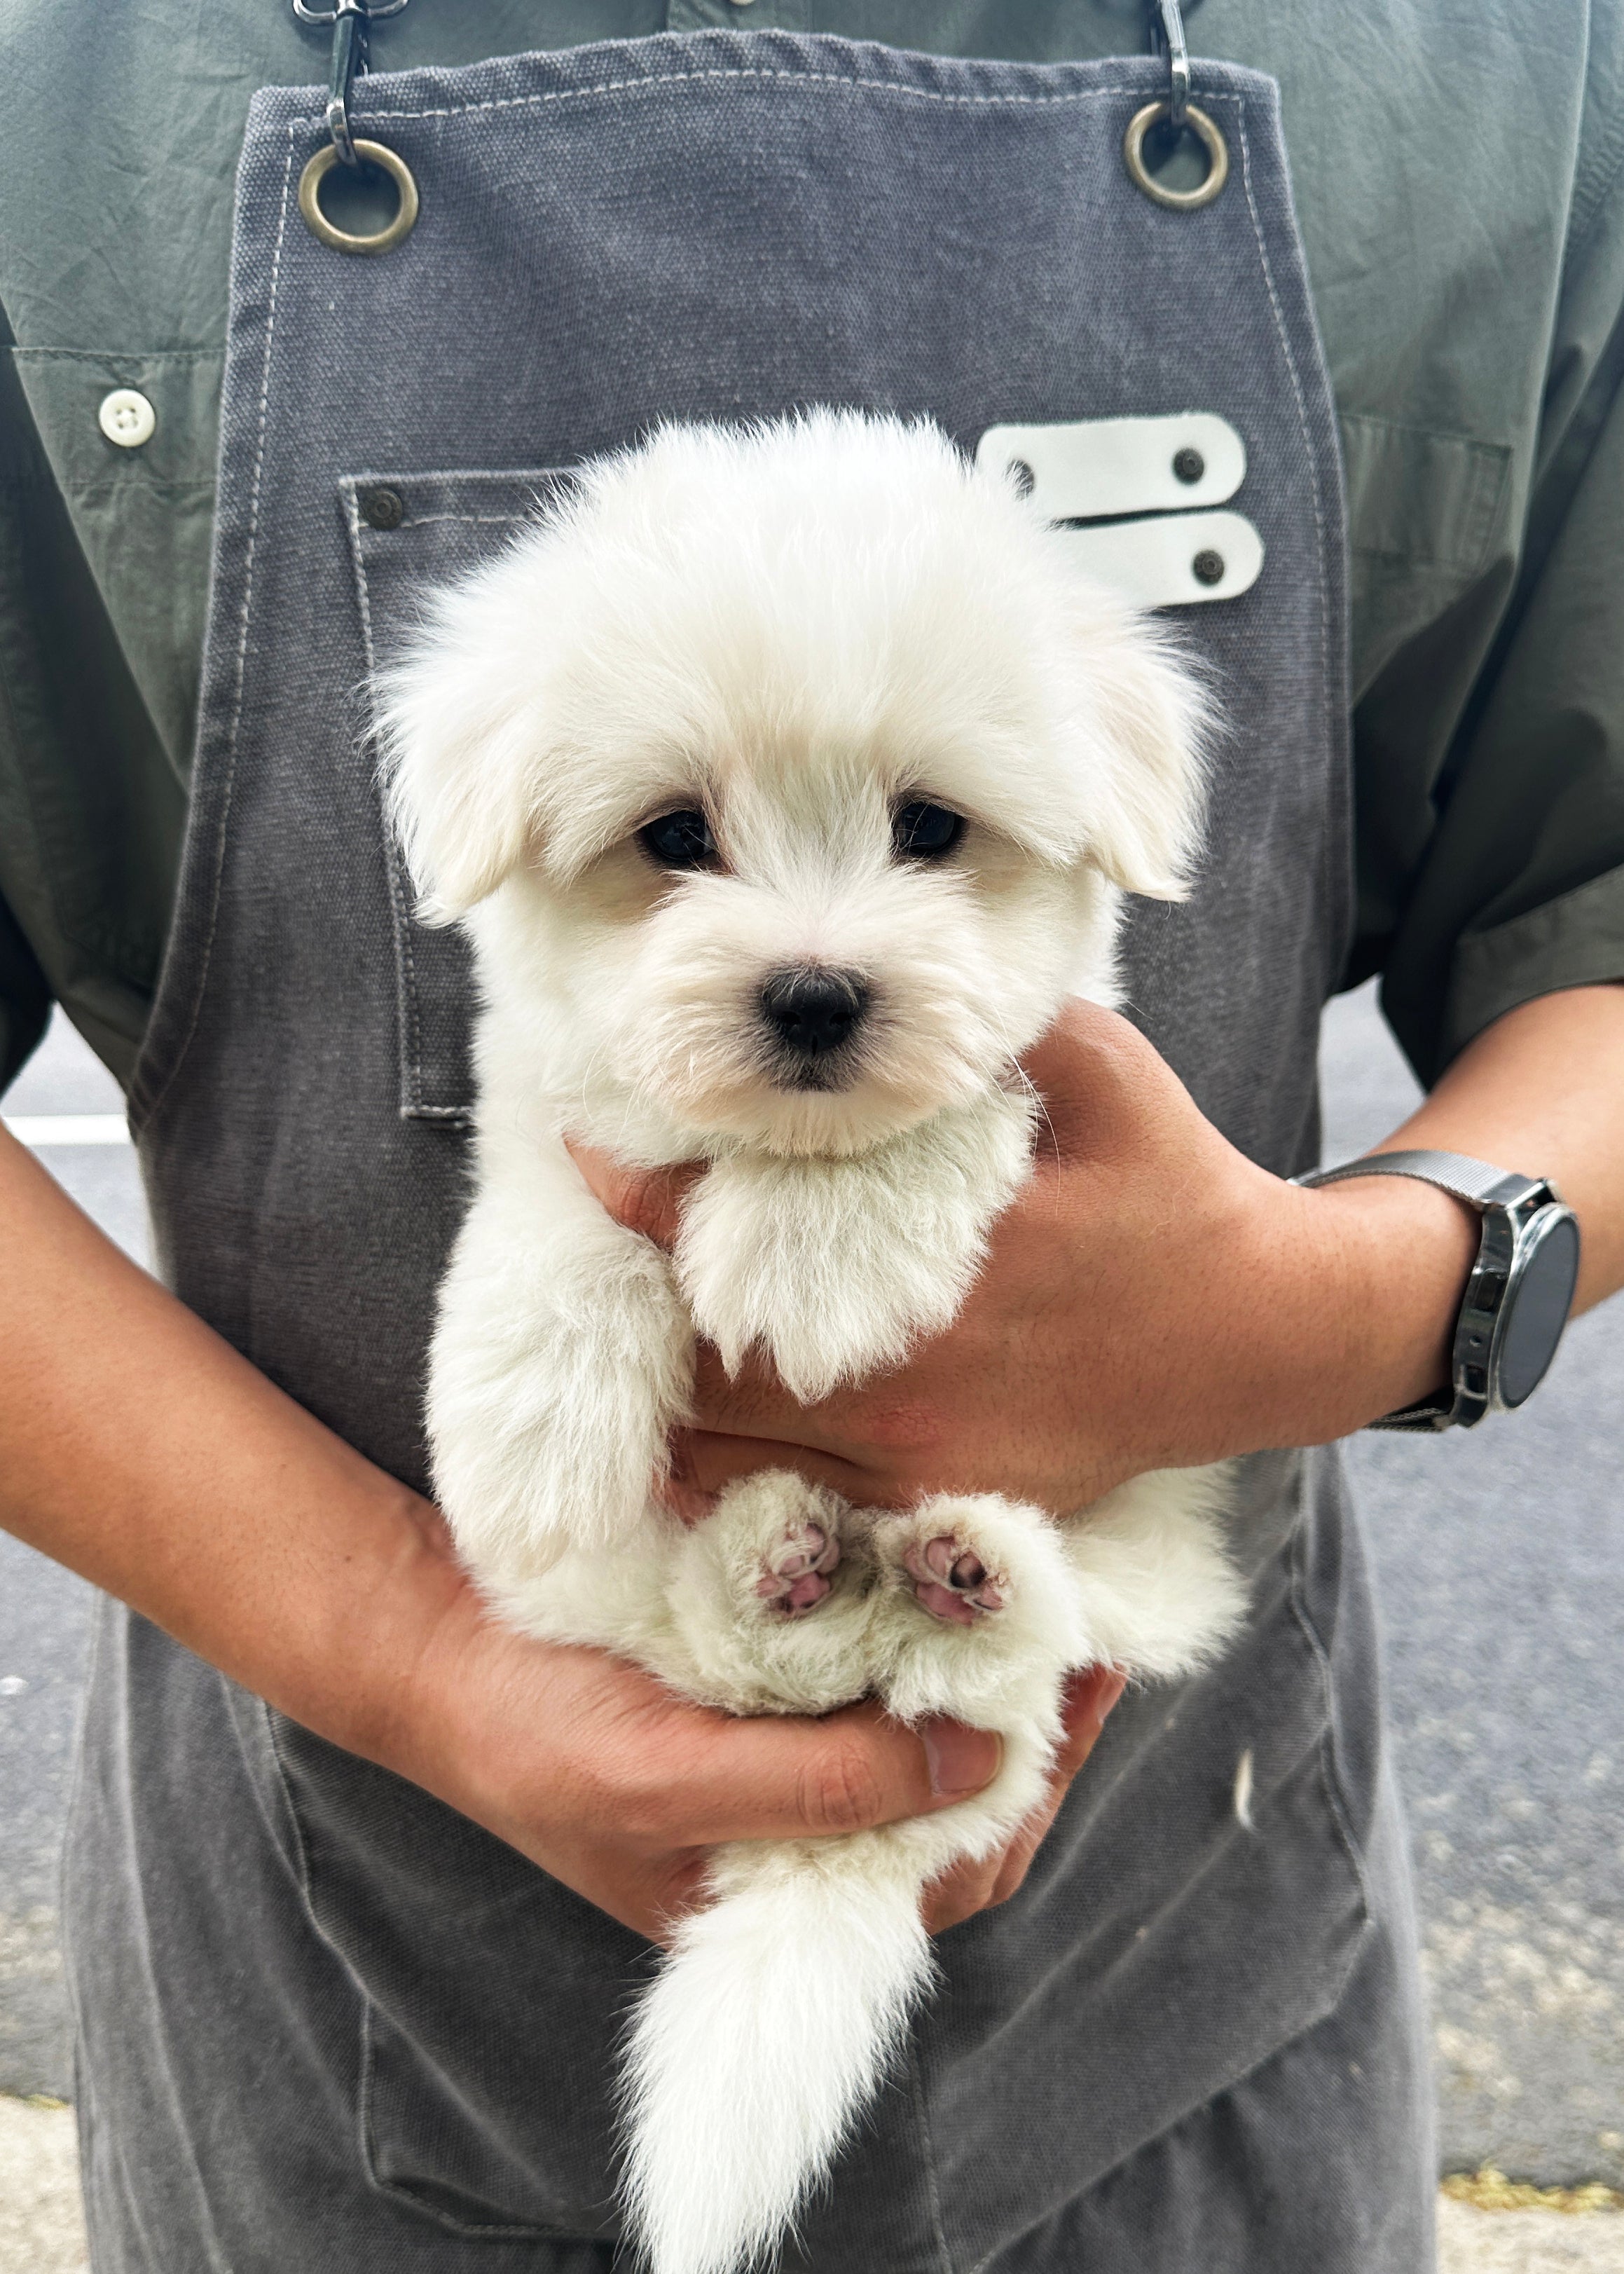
{"x": 138, "y": 1448}
{"x": 1538, "y": 1092}
{"x": 1542, "y": 1091}
{"x": 1368, "y": 1329}
{"x": 142, "y": 1450}
{"x": 1153, "y": 1299}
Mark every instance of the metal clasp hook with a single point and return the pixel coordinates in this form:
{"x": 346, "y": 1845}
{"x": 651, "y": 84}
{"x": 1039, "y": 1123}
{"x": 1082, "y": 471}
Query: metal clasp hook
{"x": 351, "y": 21}
{"x": 1167, "y": 32}
{"x": 1171, "y": 120}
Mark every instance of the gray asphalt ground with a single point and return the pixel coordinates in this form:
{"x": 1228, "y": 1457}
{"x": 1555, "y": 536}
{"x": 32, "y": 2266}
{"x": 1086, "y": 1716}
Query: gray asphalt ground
{"x": 1500, "y": 1555}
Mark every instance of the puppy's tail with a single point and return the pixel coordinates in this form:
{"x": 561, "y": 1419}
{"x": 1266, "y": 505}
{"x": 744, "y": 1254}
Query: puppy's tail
{"x": 767, "y": 2030}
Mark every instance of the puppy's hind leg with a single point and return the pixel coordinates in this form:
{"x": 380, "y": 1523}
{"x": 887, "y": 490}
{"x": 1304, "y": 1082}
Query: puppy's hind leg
{"x": 1157, "y": 1592}
{"x": 973, "y": 1610}
{"x": 769, "y": 1599}
{"x": 770, "y": 2026}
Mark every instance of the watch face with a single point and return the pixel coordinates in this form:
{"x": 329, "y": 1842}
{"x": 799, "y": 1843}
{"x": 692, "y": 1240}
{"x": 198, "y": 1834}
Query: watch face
{"x": 1537, "y": 1304}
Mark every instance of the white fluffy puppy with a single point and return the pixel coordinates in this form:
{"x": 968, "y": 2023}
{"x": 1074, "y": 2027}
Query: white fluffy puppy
{"x": 786, "y": 781}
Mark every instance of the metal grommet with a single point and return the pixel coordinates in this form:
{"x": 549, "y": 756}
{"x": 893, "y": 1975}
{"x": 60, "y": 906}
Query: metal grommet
{"x": 370, "y": 154}
{"x": 1188, "y": 465}
{"x": 1208, "y": 567}
{"x": 1134, "y": 153}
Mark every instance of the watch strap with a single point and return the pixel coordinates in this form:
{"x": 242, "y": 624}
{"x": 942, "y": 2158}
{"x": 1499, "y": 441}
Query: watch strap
{"x": 1476, "y": 1182}
{"x": 1492, "y": 1191}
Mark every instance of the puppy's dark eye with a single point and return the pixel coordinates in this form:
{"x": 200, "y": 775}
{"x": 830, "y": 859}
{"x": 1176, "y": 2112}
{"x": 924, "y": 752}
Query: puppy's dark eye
{"x": 679, "y": 840}
{"x": 925, "y": 832}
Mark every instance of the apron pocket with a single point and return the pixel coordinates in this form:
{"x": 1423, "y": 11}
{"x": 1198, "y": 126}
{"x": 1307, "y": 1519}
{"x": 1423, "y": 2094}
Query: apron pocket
{"x": 424, "y": 2149}
{"x": 409, "y": 532}
{"x": 1425, "y": 513}
{"x": 489, "y": 1998}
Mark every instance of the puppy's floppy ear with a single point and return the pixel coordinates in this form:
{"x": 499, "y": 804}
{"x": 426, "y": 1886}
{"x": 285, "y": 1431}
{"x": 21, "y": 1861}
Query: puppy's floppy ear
{"x": 1153, "y": 717}
{"x": 461, "y": 751}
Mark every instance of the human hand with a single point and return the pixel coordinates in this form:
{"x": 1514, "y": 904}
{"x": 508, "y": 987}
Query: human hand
{"x": 1152, "y": 1299}
{"x": 595, "y": 1771}
{"x": 142, "y": 1450}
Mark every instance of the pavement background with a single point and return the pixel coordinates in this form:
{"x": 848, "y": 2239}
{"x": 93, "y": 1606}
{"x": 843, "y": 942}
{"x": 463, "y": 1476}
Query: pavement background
{"x": 1500, "y": 1555}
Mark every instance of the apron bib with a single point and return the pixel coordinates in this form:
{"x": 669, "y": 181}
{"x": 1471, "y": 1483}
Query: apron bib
{"x": 715, "y": 226}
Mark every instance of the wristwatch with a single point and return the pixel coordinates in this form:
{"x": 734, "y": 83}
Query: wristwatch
{"x": 1517, "y": 1298}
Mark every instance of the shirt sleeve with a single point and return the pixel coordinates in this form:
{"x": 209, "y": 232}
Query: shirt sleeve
{"x": 91, "y": 811}
{"x": 25, "y": 998}
{"x": 1514, "y": 884}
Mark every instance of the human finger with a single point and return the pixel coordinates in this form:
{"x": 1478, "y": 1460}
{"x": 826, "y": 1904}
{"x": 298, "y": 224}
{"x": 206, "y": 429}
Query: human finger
{"x": 705, "y": 1460}
{"x": 644, "y": 1200}
{"x": 1102, "y": 1690}
{"x": 981, "y": 1883}
{"x": 679, "y": 1776}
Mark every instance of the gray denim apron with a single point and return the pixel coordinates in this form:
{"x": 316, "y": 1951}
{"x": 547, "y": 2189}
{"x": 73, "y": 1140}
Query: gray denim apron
{"x": 326, "y": 2022}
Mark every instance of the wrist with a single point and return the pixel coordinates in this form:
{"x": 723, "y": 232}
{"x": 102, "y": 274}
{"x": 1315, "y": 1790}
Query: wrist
{"x": 399, "y": 1612}
{"x": 1370, "y": 1276}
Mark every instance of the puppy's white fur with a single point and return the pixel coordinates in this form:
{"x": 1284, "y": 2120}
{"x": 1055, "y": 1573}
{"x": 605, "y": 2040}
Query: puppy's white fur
{"x": 795, "y": 630}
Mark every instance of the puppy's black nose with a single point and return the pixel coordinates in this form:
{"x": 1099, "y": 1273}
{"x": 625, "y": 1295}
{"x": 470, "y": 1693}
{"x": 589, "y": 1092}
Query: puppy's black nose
{"x": 814, "y": 1010}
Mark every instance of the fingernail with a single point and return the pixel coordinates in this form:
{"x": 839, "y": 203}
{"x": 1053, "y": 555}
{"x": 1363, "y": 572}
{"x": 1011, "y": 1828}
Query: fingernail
{"x": 960, "y": 1760}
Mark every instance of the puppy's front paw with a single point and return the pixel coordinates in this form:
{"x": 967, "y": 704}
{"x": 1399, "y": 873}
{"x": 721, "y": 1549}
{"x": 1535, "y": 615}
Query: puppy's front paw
{"x": 834, "y": 1268}
{"x": 554, "y": 1380}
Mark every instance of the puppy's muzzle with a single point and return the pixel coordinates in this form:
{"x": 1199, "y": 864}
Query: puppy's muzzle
{"x": 814, "y": 1016}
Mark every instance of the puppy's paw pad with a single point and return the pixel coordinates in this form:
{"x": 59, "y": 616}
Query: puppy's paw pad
{"x": 796, "y": 1573}
{"x": 953, "y": 1582}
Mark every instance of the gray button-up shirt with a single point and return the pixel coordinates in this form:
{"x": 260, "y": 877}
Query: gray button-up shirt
{"x": 1459, "y": 179}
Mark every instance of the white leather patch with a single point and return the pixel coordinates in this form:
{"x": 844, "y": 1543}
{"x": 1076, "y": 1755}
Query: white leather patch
{"x": 1093, "y": 467}
{"x": 1174, "y": 558}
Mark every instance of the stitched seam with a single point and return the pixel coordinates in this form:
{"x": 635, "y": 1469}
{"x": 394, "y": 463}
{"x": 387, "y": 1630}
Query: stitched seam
{"x": 229, "y": 785}
{"x": 392, "y": 2189}
{"x": 485, "y": 520}
{"x": 114, "y": 354}
{"x": 743, "y": 72}
{"x": 1335, "y": 890}
{"x": 413, "y": 1107}
{"x": 99, "y": 1614}
{"x": 301, "y": 1849}
{"x": 916, "y": 2090}
{"x": 1329, "y": 1780}
{"x": 1447, "y": 563}
{"x": 1302, "y": 408}
{"x": 405, "y": 969}
{"x": 1493, "y": 479}
{"x": 366, "y": 477}
{"x": 113, "y": 482}
{"x": 1427, "y": 434}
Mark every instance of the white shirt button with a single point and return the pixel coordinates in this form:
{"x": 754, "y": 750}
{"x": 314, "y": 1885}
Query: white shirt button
{"x": 126, "y": 417}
